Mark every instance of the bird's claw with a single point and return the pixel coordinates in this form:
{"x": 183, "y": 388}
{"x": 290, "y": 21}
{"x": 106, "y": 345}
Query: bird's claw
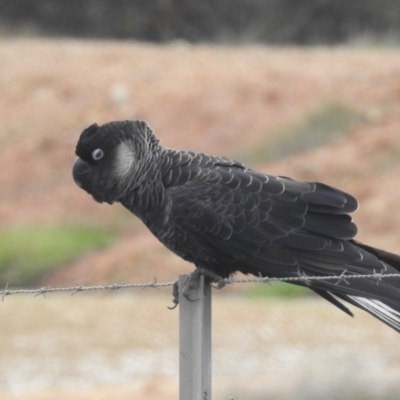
{"x": 175, "y": 295}
{"x": 212, "y": 277}
{"x": 192, "y": 281}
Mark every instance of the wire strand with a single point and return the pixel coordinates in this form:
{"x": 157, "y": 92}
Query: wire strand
{"x": 154, "y": 284}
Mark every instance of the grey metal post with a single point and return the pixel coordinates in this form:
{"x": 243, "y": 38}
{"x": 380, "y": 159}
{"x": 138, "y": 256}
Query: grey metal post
{"x": 195, "y": 342}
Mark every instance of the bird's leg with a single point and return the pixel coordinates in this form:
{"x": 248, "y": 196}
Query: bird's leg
{"x": 192, "y": 281}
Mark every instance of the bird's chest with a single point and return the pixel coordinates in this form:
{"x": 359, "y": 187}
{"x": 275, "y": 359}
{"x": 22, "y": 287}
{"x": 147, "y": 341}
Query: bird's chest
{"x": 168, "y": 233}
{"x": 176, "y": 240}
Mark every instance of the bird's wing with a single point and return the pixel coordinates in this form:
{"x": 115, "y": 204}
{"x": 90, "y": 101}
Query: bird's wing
{"x": 236, "y": 219}
{"x": 231, "y": 213}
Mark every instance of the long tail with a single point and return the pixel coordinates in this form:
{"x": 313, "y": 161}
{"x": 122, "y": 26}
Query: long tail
{"x": 388, "y": 315}
{"x": 379, "y": 298}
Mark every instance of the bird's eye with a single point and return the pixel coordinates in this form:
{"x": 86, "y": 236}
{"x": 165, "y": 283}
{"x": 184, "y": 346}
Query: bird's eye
{"x": 97, "y": 154}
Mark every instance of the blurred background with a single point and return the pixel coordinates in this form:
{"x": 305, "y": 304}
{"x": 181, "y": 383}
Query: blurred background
{"x": 308, "y": 89}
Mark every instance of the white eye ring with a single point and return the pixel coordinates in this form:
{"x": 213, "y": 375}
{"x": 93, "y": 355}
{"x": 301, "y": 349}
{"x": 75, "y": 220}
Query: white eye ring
{"x": 97, "y": 154}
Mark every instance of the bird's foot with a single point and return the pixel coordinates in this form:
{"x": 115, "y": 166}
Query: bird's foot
{"x": 193, "y": 281}
{"x": 175, "y": 295}
{"x": 212, "y": 277}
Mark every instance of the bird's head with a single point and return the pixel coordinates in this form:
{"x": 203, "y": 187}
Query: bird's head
{"x": 114, "y": 158}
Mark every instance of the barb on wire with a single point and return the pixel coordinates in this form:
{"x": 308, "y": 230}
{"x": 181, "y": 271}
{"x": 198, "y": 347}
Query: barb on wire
{"x": 378, "y": 277}
{"x": 5, "y": 292}
{"x": 42, "y": 291}
{"x": 231, "y": 281}
{"x": 343, "y": 278}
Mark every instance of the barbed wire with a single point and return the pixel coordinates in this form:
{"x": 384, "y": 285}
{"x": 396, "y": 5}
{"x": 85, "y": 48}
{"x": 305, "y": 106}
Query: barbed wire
{"x": 231, "y": 281}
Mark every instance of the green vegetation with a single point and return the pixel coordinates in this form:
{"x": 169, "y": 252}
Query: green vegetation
{"x": 29, "y": 252}
{"x": 327, "y": 123}
{"x": 277, "y": 289}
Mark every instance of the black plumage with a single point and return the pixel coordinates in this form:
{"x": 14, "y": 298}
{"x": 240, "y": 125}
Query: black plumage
{"x": 224, "y": 217}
